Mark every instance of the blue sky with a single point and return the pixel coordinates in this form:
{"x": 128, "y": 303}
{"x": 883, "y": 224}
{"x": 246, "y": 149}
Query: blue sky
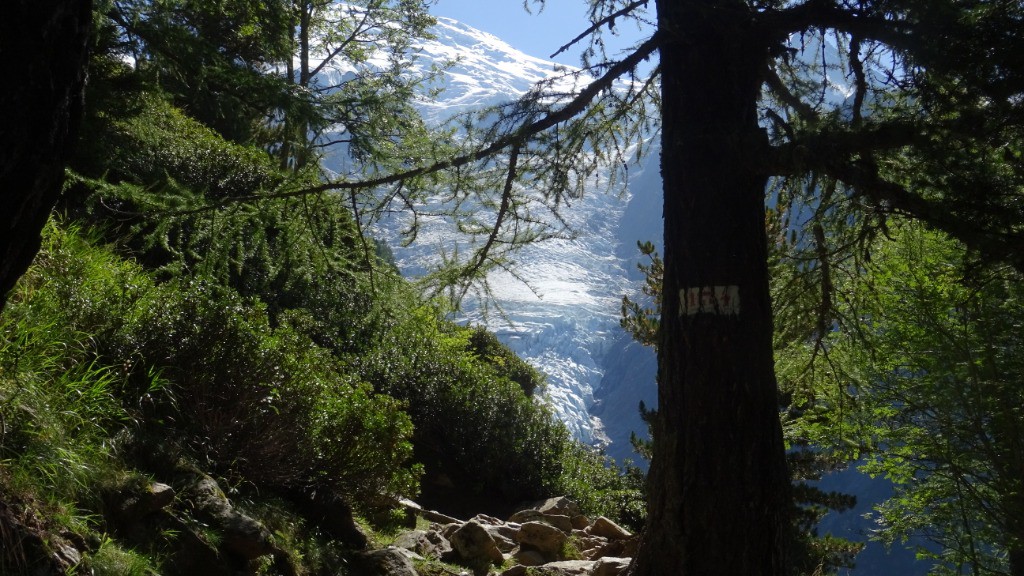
{"x": 538, "y": 34}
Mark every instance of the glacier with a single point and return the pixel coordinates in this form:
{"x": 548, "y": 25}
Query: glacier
{"x": 560, "y": 311}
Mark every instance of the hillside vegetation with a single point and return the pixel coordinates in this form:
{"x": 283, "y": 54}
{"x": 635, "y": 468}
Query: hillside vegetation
{"x": 217, "y": 390}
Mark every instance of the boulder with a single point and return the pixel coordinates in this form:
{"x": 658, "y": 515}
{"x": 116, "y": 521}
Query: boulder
{"x": 560, "y": 521}
{"x": 607, "y": 529}
{"x": 527, "y": 515}
{"x": 389, "y": 561}
{"x": 332, "y": 514}
{"x": 613, "y": 549}
{"x": 241, "y": 535}
{"x": 437, "y": 517}
{"x": 610, "y": 566}
{"x": 134, "y": 504}
{"x": 542, "y": 537}
{"x": 528, "y": 557}
{"x": 503, "y": 536}
{"x": 485, "y": 520}
{"x": 474, "y": 545}
{"x": 430, "y": 544}
{"x": 559, "y": 505}
{"x": 565, "y": 568}
{"x": 579, "y": 522}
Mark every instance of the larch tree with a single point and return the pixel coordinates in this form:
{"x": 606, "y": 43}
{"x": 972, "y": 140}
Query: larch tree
{"x": 834, "y": 109}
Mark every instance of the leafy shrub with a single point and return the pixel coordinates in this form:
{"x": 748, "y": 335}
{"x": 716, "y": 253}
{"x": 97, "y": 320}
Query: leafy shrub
{"x": 472, "y": 421}
{"x": 258, "y": 403}
{"x": 149, "y": 142}
{"x": 601, "y": 487}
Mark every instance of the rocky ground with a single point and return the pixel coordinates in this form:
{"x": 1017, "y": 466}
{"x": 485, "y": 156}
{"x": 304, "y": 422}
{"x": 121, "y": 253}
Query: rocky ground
{"x": 547, "y": 538}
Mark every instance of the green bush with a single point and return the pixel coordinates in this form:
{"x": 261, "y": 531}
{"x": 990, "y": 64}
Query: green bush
{"x": 260, "y": 404}
{"x": 473, "y": 422}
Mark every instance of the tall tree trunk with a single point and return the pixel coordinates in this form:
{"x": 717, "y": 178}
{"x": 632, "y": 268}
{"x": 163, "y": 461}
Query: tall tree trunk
{"x": 719, "y": 490}
{"x": 43, "y": 44}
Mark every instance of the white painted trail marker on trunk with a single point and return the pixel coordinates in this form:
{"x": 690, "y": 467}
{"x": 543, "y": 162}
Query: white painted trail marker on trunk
{"x": 721, "y": 300}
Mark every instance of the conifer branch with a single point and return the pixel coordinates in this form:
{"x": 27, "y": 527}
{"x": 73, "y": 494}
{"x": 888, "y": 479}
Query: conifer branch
{"x": 609, "y": 20}
{"x": 516, "y": 137}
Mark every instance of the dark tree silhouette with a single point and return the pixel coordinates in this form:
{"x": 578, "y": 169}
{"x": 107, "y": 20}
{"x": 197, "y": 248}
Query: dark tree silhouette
{"x": 43, "y": 44}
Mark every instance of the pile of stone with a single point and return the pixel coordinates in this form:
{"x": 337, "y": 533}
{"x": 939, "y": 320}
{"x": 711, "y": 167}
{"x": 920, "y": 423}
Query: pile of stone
{"x": 550, "y": 537}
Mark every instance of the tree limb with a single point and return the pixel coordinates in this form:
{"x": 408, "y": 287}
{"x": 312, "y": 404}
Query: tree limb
{"x": 609, "y": 20}
{"x": 514, "y": 137}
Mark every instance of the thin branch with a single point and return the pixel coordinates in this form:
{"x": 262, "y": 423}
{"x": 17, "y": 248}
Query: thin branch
{"x": 860, "y": 80}
{"x": 787, "y": 97}
{"x": 825, "y": 14}
{"x": 506, "y": 201}
{"x": 609, "y": 20}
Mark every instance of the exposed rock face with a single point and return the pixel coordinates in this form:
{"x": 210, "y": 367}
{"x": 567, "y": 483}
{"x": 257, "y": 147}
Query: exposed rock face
{"x": 537, "y": 537}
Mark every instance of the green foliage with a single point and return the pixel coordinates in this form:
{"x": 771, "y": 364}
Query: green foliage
{"x": 468, "y": 412}
{"x": 601, "y": 487}
{"x": 144, "y": 140}
{"x": 303, "y": 256}
{"x": 210, "y": 56}
{"x": 113, "y": 560}
{"x": 487, "y": 346}
{"x": 642, "y": 321}
{"x": 925, "y": 387}
{"x": 258, "y": 403}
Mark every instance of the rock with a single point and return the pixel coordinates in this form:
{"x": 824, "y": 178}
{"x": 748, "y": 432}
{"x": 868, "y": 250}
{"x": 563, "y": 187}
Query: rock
{"x": 566, "y": 568}
{"x": 613, "y": 549}
{"x": 528, "y": 515}
{"x": 241, "y": 535}
{"x": 560, "y": 505}
{"x": 65, "y": 554}
{"x": 433, "y": 516}
{"x": 529, "y": 557}
{"x": 559, "y": 521}
{"x": 518, "y": 570}
{"x": 579, "y": 522}
{"x": 475, "y": 546}
{"x": 485, "y": 520}
{"x": 610, "y": 566}
{"x": 503, "y": 537}
{"x": 133, "y": 503}
{"x": 429, "y": 544}
{"x": 608, "y": 529}
{"x": 387, "y": 562}
{"x": 331, "y": 513}
{"x": 411, "y": 509}
{"x": 542, "y": 537}
{"x": 448, "y": 529}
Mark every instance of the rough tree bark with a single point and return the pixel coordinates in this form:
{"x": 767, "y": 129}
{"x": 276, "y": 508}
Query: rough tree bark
{"x": 43, "y": 44}
{"x": 719, "y": 486}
